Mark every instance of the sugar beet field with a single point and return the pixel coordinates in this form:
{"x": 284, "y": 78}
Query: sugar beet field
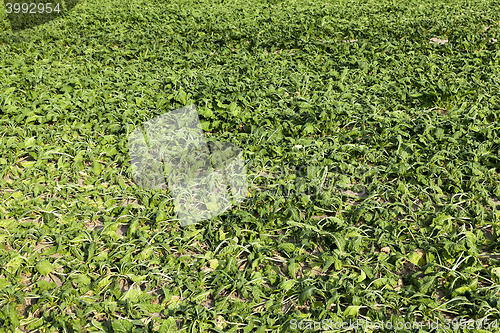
{"x": 371, "y": 136}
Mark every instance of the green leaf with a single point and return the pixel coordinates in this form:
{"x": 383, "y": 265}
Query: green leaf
{"x": 14, "y": 264}
{"x": 4, "y": 283}
{"x": 132, "y": 294}
{"x": 428, "y": 284}
{"x": 102, "y": 283}
{"x": 233, "y": 109}
{"x": 287, "y": 285}
{"x": 168, "y": 326}
{"x": 212, "y": 206}
{"x": 306, "y": 294}
{"x": 206, "y": 126}
{"x": 82, "y": 280}
{"x": 45, "y": 285}
{"x": 292, "y": 268}
{"x": 44, "y": 267}
{"x": 96, "y": 167}
{"x": 102, "y": 256}
{"x": 151, "y": 308}
{"x": 287, "y": 247}
{"x": 122, "y": 326}
{"x": 30, "y": 142}
{"x": 214, "y": 263}
{"x": 361, "y": 276}
{"x": 308, "y": 129}
{"x": 136, "y": 278}
{"x": 162, "y": 216}
{"x": 352, "y": 311}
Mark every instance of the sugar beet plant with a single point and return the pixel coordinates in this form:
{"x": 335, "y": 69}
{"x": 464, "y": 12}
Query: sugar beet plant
{"x": 372, "y": 129}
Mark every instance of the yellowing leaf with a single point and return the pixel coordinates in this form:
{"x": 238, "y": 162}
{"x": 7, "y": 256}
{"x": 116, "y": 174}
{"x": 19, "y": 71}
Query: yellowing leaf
{"x": 214, "y": 263}
{"x": 417, "y": 257}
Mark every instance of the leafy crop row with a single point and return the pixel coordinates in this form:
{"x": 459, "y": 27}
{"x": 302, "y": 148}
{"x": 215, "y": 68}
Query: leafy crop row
{"x": 374, "y": 186}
